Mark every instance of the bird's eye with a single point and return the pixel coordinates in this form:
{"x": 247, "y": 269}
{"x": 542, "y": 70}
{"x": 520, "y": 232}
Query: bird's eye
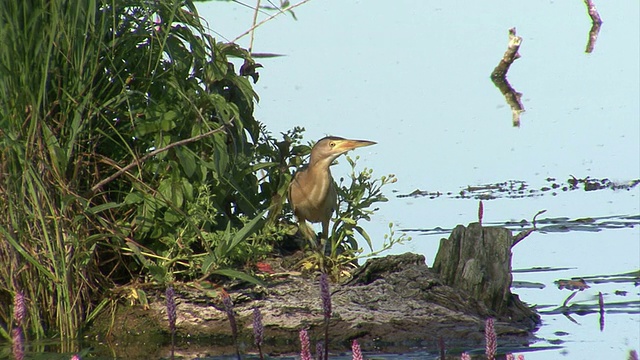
{"x": 332, "y": 144}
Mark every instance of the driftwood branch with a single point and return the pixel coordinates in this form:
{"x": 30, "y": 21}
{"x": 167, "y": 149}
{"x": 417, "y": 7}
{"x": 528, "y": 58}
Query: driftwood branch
{"x": 509, "y": 56}
{"x": 136, "y": 162}
{"x": 525, "y": 233}
{"x": 499, "y": 77}
{"x": 596, "y": 21}
{"x": 593, "y": 12}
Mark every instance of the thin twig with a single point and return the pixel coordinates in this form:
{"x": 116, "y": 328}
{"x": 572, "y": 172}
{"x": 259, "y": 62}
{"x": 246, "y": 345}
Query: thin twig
{"x": 99, "y": 185}
{"x": 267, "y": 19}
{"x": 255, "y": 19}
{"x": 526, "y": 233}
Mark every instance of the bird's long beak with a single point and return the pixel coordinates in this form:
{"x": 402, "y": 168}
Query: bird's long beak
{"x": 345, "y": 145}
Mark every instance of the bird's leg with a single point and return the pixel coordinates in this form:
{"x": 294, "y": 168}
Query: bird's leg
{"x": 324, "y": 238}
{"x": 307, "y": 231}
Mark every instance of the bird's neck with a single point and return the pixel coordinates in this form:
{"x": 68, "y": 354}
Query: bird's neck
{"x": 320, "y": 163}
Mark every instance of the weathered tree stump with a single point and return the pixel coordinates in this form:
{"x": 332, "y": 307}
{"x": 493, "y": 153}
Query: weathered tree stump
{"x": 477, "y": 259}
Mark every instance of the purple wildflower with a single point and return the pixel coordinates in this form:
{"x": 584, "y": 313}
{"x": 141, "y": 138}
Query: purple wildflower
{"x": 465, "y": 356}
{"x": 75, "y": 357}
{"x": 325, "y": 294}
{"x": 305, "y": 347}
{"x": 258, "y": 328}
{"x": 491, "y": 339}
{"x": 18, "y": 345}
{"x": 170, "y": 296}
{"x": 520, "y": 357}
{"x": 320, "y": 350}
{"x": 510, "y": 357}
{"x": 633, "y": 355}
{"x": 19, "y": 308}
{"x": 228, "y": 308}
{"x": 355, "y": 348}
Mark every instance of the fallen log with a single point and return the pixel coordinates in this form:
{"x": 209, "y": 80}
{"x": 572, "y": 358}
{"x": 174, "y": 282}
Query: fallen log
{"x": 392, "y": 304}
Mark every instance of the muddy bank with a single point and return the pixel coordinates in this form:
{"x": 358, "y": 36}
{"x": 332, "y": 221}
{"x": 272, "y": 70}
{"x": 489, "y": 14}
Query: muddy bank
{"x": 392, "y": 304}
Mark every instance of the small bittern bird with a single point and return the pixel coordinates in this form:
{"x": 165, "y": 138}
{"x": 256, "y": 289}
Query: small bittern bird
{"x": 312, "y": 192}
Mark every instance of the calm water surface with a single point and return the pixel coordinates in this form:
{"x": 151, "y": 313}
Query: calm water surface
{"x": 414, "y": 76}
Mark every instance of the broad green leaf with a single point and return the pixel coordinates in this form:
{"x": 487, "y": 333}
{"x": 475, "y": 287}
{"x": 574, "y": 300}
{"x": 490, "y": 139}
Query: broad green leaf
{"x": 208, "y": 262}
{"x": 172, "y": 190}
{"x": 187, "y": 160}
{"x": 172, "y": 217}
{"x": 133, "y": 198}
{"x": 187, "y": 189}
{"x": 158, "y": 273}
{"x": 142, "y": 298}
{"x": 220, "y": 154}
{"x": 365, "y": 235}
{"x": 251, "y": 227}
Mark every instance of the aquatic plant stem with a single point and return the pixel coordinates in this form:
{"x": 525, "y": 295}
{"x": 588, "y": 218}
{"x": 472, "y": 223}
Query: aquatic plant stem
{"x": 325, "y": 294}
{"x": 171, "y": 315}
{"x": 258, "y": 330}
{"x": 228, "y": 307}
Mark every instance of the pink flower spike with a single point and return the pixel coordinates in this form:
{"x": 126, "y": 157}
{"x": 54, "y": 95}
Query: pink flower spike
{"x": 491, "y": 339}
{"x": 355, "y": 348}
{"x": 18, "y": 343}
{"x": 305, "y": 353}
{"x": 465, "y": 356}
{"x": 19, "y": 308}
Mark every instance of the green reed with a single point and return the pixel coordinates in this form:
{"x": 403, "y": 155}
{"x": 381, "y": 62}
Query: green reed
{"x": 113, "y": 115}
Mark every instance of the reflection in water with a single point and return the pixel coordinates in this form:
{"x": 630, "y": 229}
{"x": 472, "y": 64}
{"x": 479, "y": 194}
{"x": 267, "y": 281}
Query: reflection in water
{"x": 499, "y": 77}
{"x": 553, "y": 225}
{"x": 517, "y": 189}
{"x": 601, "y": 305}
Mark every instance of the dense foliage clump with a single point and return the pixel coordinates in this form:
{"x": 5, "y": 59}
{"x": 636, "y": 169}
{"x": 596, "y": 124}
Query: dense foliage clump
{"x": 129, "y": 153}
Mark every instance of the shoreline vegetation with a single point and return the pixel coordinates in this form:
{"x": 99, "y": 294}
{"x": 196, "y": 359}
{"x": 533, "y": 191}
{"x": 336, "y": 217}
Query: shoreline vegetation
{"x": 141, "y": 200}
{"x": 130, "y": 158}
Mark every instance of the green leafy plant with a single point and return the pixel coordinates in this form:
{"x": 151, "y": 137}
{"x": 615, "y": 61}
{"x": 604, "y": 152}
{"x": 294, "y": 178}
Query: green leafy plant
{"x": 358, "y": 199}
{"x": 129, "y": 154}
{"x": 128, "y": 151}
{"x": 357, "y": 202}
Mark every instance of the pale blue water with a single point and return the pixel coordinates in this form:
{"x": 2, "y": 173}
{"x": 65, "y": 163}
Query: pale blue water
{"x": 414, "y": 76}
